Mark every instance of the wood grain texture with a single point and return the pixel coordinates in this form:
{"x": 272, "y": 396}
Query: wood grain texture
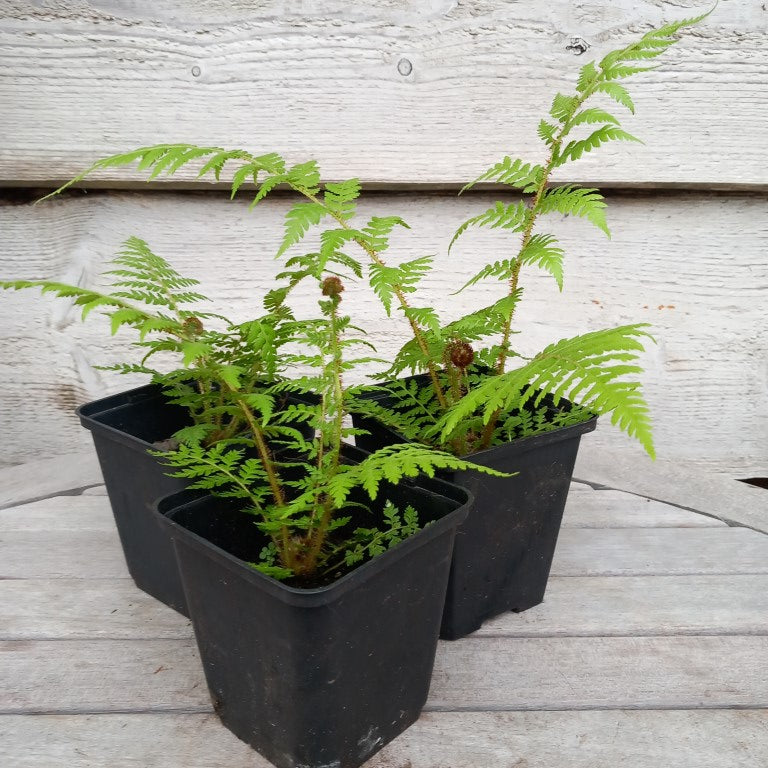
{"x": 588, "y": 508}
{"x": 91, "y": 676}
{"x": 586, "y": 739}
{"x": 46, "y": 476}
{"x": 710, "y": 322}
{"x": 61, "y": 554}
{"x": 662, "y": 551}
{"x": 682, "y": 482}
{"x": 101, "y": 675}
{"x": 595, "y": 673}
{"x": 440, "y": 90}
{"x": 61, "y": 513}
{"x": 642, "y": 605}
{"x": 79, "y": 609}
{"x": 37, "y": 609}
{"x": 96, "y": 554}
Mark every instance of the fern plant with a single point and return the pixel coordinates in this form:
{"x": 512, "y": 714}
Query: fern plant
{"x": 153, "y": 299}
{"x": 285, "y": 462}
{"x": 474, "y": 401}
{"x": 303, "y": 495}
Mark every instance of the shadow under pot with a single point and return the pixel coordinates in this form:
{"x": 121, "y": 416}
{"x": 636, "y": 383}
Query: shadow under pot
{"x": 504, "y": 549}
{"x": 324, "y": 676}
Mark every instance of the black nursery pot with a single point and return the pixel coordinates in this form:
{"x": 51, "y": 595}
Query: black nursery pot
{"x": 123, "y": 428}
{"x": 315, "y": 677}
{"x": 504, "y": 549}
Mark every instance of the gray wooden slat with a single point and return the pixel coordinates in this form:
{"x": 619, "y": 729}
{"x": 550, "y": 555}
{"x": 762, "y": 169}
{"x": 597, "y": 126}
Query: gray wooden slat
{"x": 714, "y": 490}
{"x": 477, "y": 674}
{"x": 101, "y": 675}
{"x": 588, "y": 508}
{"x": 586, "y": 739}
{"x": 662, "y": 551}
{"x": 601, "y": 672}
{"x": 406, "y": 79}
{"x": 61, "y": 513}
{"x": 210, "y": 238}
{"x": 84, "y": 609}
{"x": 61, "y": 554}
{"x": 35, "y": 479}
{"x": 573, "y": 606}
{"x": 642, "y": 605}
{"x": 580, "y": 552}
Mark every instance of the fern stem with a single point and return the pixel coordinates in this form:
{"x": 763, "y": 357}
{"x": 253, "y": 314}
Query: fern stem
{"x": 274, "y": 483}
{"x": 490, "y": 427}
{"x": 405, "y": 306}
{"x": 337, "y": 411}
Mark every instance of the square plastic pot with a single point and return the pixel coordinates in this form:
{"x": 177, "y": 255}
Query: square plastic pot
{"x": 504, "y": 549}
{"x": 123, "y": 428}
{"x": 315, "y": 677}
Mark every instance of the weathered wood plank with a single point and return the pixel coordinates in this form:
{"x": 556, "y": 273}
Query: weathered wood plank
{"x": 406, "y": 79}
{"x": 85, "y": 609}
{"x": 101, "y": 675}
{"x": 580, "y": 552}
{"x": 44, "y": 477}
{"x": 681, "y": 482}
{"x": 60, "y": 513}
{"x": 662, "y": 551}
{"x": 600, "y": 672}
{"x": 596, "y": 509}
{"x": 585, "y": 739}
{"x": 588, "y": 508}
{"x": 74, "y": 676}
{"x": 212, "y": 239}
{"x": 38, "y": 609}
{"x": 61, "y": 555}
{"x": 642, "y": 605}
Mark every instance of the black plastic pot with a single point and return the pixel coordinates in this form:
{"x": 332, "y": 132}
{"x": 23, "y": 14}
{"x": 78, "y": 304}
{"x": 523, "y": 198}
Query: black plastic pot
{"x": 123, "y": 428}
{"x": 504, "y": 549}
{"x": 315, "y": 677}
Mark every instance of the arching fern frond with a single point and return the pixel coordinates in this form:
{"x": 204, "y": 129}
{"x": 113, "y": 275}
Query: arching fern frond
{"x": 513, "y": 216}
{"x": 513, "y": 173}
{"x": 590, "y": 370}
{"x": 405, "y": 277}
{"x": 392, "y": 464}
{"x": 540, "y": 251}
{"x": 575, "y": 201}
{"x": 575, "y": 149}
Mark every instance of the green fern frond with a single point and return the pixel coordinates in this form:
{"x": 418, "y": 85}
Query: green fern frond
{"x": 340, "y": 197}
{"x": 386, "y": 280}
{"x": 392, "y": 464}
{"x": 590, "y": 370}
{"x": 541, "y": 252}
{"x": 501, "y": 270}
{"x": 591, "y": 116}
{"x": 575, "y": 149}
{"x": 547, "y": 132}
{"x": 513, "y": 173}
{"x": 563, "y": 107}
{"x": 298, "y": 221}
{"x": 378, "y": 229}
{"x": 512, "y": 216}
{"x": 575, "y": 201}
{"x": 652, "y": 43}
{"x": 618, "y": 93}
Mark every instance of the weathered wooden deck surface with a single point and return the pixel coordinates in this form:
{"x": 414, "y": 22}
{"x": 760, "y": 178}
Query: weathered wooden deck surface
{"x": 650, "y": 651}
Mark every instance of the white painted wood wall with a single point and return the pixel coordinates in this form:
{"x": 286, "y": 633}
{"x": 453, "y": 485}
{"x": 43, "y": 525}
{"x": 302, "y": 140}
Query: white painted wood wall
{"x": 414, "y": 97}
